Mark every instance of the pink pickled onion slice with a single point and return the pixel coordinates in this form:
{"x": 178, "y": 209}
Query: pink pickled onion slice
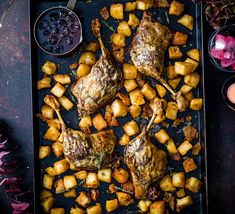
{"x": 220, "y": 42}
{"x": 230, "y": 43}
{"x": 233, "y": 66}
{"x": 227, "y": 62}
{"x": 218, "y": 54}
{"x": 20, "y": 206}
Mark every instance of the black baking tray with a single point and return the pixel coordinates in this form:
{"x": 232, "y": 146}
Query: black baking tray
{"x": 87, "y": 11}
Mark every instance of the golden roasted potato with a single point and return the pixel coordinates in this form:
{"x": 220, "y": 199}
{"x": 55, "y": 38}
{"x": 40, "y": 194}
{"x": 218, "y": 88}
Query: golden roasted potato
{"x": 51, "y": 134}
{"x": 83, "y": 199}
{"x": 59, "y": 186}
{"x": 184, "y": 147}
{"x": 161, "y": 90}
{"x": 183, "y": 202}
{"x": 49, "y": 67}
{"x": 105, "y": 175}
{"x": 109, "y": 117}
{"x": 61, "y": 166}
{"x": 44, "y": 151}
{"x": 76, "y": 210}
{"x": 119, "y": 109}
{"x": 92, "y": 180}
{"x": 118, "y": 53}
{"x": 45, "y": 194}
{"x": 144, "y": 205}
{"x": 171, "y": 148}
{"x": 194, "y": 54}
{"x": 171, "y": 72}
{"x": 159, "y": 119}
{"x": 93, "y": 46}
{"x": 130, "y": 85}
{"x": 196, "y": 149}
{"x": 58, "y": 90}
{"x": 148, "y": 91}
{"x": 180, "y": 193}
{"x": 131, "y": 128}
{"x": 125, "y": 139}
{"x": 53, "y": 122}
{"x": 44, "y": 83}
{"x": 83, "y": 70}
{"x": 62, "y": 79}
{"x": 189, "y": 165}
{"x": 119, "y": 40}
{"x": 129, "y": 71}
{"x": 144, "y": 4}
{"x": 133, "y": 20}
{"x": 98, "y": 122}
{"x": 178, "y": 179}
{"x": 88, "y": 58}
{"x": 70, "y": 182}
{"x": 157, "y": 207}
{"x": 85, "y": 123}
{"x": 137, "y": 97}
{"x": 180, "y": 38}
{"x": 192, "y": 79}
{"x": 196, "y": 104}
{"x": 171, "y": 110}
{"x": 47, "y": 112}
{"x": 174, "y": 52}
{"x": 194, "y": 62}
{"x": 70, "y": 194}
{"x": 187, "y": 21}
{"x": 47, "y": 181}
{"x": 130, "y": 6}
{"x": 174, "y": 82}
{"x": 162, "y": 136}
{"x": 184, "y": 68}
{"x": 176, "y": 8}
{"x": 51, "y": 171}
{"x": 124, "y": 199}
{"x": 96, "y": 209}
{"x": 81, "y": 175}
{"x": 193, "y": 184}
{"x": 66, "y": 103}
{"x": 166, "y": 184}
{"x": 186, "y": 89}
{"x": 47, "y": 204}
{"x": 124, "y": 98}
{"x": 116, "y": 11}
{"x": 135, "y": 111}
{"x": 111, "y": 205}
{"x": 120, "y": 175}
{"x": 124, "y": 29}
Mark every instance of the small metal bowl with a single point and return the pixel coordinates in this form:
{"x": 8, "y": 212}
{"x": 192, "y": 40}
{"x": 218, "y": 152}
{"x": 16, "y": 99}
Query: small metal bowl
{"x": 224, "y": 91}
{"x": 58, "y": 30}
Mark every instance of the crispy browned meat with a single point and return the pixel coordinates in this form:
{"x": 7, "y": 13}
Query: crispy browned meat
{"x": 146, "y": 162}
{"x": 100, "y": 85}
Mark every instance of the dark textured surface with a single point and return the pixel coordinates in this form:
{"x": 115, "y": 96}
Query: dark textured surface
{"x": 15, "y": 109}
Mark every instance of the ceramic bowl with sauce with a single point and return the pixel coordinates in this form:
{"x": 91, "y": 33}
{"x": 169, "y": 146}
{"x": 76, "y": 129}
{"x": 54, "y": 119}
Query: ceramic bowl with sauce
{"x": 228, "y": 92}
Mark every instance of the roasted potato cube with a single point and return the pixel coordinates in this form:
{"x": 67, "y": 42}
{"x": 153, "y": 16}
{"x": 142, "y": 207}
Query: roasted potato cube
{"x": 161, "y": 3}
{"x": 51, "y": 134}
{"x": 44, "y": 83}
{"x": 111, "y": 205}
{"x": 88, "y": 58}
{"x": 130, "y": 85}
{"x": 192, "y": 79}
{"x": 174, "y": 52}
{"x": 83, "y": 70}
{"x": 125, "y": 139}
{"x": 124, "y": 199}
{"x": 135, "y": 111}
{"x": 159, "y": 119}
{"x": 180, "y": 193}
{"x": 162, "y": 136}
{"x": 70, "y": 181}
{"x": 161, "y": 90}
{"x": 196, "y": 149}
{"x": 92, "y": 180}
{"x": 62, "y": 78}
{"x": 70, "y": 194}
{"x": 171, "y": 72}
{"x": 98, "y": 122}
{"x": 178, "y": 179}
{"x": 186, "y": 89}
{"x": 176, "y": 8}
{"x": 174, "y": 82}
{"x": 129, "y": 71}
{"x": 193, "y": 184}
{"x": 189, "y": 96}
{"x": 93, "y": 46}
{"x": 184, "y": 68}
{"x": 184, "y": 147}
{"x": 148, "y": 91}
{"x": 180, "y": 38}
{"x": 144, "y": 205}
{"x": 81, "y": 175}
{"x": 47, "y": 112}
{"x": 59, "y": 186}
{"x": 189, "y": 165}
{"x": 144, "y": 4}
{"x": 49, "y": 68}
{"x": 124, "y": 98}
{"x": 171, "y": 148}
{"x": 196, "y": 104}
{"x": 47, "y": 204}
{"x": 65, "y": 102}
{"x": 44, "y": 151}
{"x": 116, "y": 11}
{"x": 47, "y": 181}
{"x": 119, "y": 109}
{"x": 124, "y": 29}
{"x": 118, "y": 53}
{"x": 157, "y": 207}
{"x": 76, "y": 210}
{"x": 61, "y": 166}
{"x": 54, "y": 122}
{"x": 190, "y": 133}
{"x": 166, "y": 184}
{"x": 130, "y": 6}
{"x": 45, "y": 194}
{"x": 183, "y": 202}
{"x": 57, "y": 211}
{"x": 171, "y": 110}
{"x": 187, "y": 21}
{"x": 194, "y": 62}
{"x": 137, "y": 97}
{"x": 131, "y": 128}
{"x": 58, "y": 90}
{"x": 83, "y": 199}
{"x": 120, "y": 175}
{"x": 109, "y": 117}
{"x": 51, "y": 171}
{"x": 105, "y": 175}
{"x": 85, "y": 124}
{"x": 96, "y": 209}
{"x": 133, "y": 20}
{"x": 194, "y": 54}
{"x": 119, "y": 39}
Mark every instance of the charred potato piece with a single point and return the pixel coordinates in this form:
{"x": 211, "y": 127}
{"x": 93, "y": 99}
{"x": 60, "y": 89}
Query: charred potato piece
{"x": 144, "y": 4}
{"x": 45, "y": 194}
{"x": 92, "y": 180}
{"x": 161, "y": 90}
{"x": 137, "y": 97}
{"x": 124, "y": 199}
{"x": 70, "y": 182}
{"x": 49, "y": 67}
{"x": 162, "y": 136}
{"x": 124, "y": 29}
{"x": 186, "y": 89}
{"x": 51, "y": 134}
{"x": 184, "y": 147}
{"x": 44, "y": 83}
{"x": 47, "y": 112}
{"x": 47, "y": 204}
{"x": 135, "y": 111}
{"x": 119, "y": 40}
{"x": 111, "y": 205}
{"x": 171, "y": 72}
{"x": 93, "y": 46}
{"x": 59, "y": 186}
{"x": 130, "y": 85}
{"x": 184, "y": 68}
{"x": 66, "y": 103}
{"x": 176, "y": 8}
{"x": 58, "y": 90}
{"x": 131, "y": 128}
{"x": 192, "y": 79}
{"x": 129, "y": 71}
{"x": 125, "y": 139}
{"x": 166, "y": 184}
{"x": 105, "y": 175}
{"x": 148, "y": 91}
{"x": 180, "y": 38}
{"x": 171, "y": 148}
{"x": 174, "y": 82}
{"x": 81, "y": 175}
{"x": 70, "y": 194}
{"x": 83, "y": 199}
{"x": 133, "y": 20}
{"x": 96, "y": 209}
{"x": 83, "y": 70}
{"x": 44, "y": 151}
{"x": 189, "y": 165}
{"x": 157, "y": 207}
{"x": 88, "y": 58}
{"x": 63, "y": 79}
{"x": 116, "y": 11}
{"x": 51, "y": 171}
{"x": 187, "y": 21}
{"x": 174, "y": 52}
{"x": 194, "y": 54}
{"x": 183, "y": 202}
{"x": 120, "y": 175}
{"x": 85, "y": 124}
{"x": 61, "y": 166}
{"x": 48, "y": 181}
{"x": 196, "y": 104}
{"x": 194, "y": 62}
{"x": 178, "y": 179}
{"x": 193, "y": 184}
{"x": 98, "y": 122}
{"x": 130, "y": 6}
{"x": 76, "y": 210}
{"x": 119, "y": 109}
{"x": 171, "y": 110}
{"x": 144, "y": 205}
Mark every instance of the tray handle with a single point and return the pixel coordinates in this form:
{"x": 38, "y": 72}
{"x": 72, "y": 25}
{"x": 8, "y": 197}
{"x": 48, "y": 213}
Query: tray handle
{"x": 71, "y": 4}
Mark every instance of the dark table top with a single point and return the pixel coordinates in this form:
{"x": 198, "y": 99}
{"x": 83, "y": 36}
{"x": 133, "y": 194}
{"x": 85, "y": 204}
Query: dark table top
{"x": 16, "y": 110}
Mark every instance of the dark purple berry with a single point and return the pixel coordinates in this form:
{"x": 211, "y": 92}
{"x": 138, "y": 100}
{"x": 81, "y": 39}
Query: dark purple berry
{"x": 53, "y": 40}
{"x": 68, "y": 40}
{"x": 63, "y": 13}
{"x": 55, "y": 30}
{"x": 43, "y": 24}
{"x": 53, "y": 17}
{"x": 62, "y": 24}
{"x": 46, "y": 32}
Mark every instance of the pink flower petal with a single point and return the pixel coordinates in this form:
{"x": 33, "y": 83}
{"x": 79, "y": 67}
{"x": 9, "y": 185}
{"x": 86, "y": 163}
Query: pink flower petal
{"x": 20, "y": 206}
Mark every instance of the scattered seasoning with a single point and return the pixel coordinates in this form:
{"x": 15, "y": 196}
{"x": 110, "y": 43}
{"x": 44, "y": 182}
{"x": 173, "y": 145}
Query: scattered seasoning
{"x": 167, "y": 17}
{"x": 123, "y": 190}
{"x": 74, "y": 73}
{"x": 107, "y": 25}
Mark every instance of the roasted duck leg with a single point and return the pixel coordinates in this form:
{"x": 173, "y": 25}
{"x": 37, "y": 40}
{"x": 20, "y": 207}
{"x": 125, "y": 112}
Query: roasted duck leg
{"x": 84, "y": 151}
{"x": 147, "y": 53}
{"x": 101, "y": 84}
{"x": 146, "y": 162}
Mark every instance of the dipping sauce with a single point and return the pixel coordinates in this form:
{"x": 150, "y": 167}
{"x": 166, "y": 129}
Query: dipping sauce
{"x": 231, "y": 93}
